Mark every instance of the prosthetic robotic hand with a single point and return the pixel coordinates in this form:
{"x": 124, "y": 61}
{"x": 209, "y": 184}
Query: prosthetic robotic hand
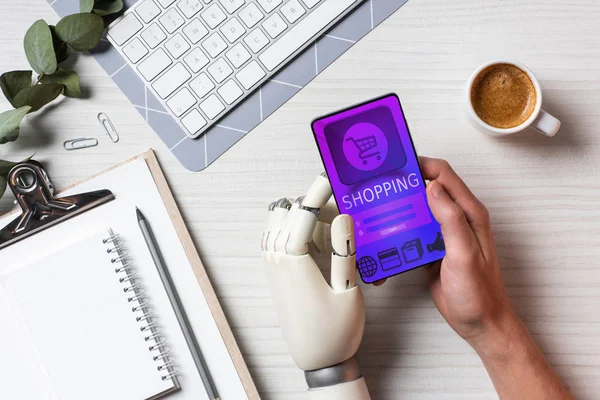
{"x": 323, "y": 325}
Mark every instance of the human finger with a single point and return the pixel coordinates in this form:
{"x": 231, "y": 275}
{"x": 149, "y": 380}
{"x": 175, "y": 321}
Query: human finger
{"x": 458, "y": 235}
{"x": 433, "y": 270}
{"x": 476, "y": 213}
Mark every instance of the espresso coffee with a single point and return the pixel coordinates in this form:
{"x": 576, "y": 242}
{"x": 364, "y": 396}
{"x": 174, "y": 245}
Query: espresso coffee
{"x": 503, "y": 96}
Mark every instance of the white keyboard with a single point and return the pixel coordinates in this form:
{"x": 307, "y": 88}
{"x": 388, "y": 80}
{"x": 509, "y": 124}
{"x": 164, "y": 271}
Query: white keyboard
{"x": 203, "y": 57}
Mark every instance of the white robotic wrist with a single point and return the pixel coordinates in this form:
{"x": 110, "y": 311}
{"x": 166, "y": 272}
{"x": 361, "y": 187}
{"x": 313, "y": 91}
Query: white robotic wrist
{"x": 343, "y": 372}
{"x": 355, "y": 390}
{"x": 341, "y": 381}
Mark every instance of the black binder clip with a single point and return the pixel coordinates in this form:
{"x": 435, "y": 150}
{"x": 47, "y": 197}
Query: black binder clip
{"x": 35, "y": 194}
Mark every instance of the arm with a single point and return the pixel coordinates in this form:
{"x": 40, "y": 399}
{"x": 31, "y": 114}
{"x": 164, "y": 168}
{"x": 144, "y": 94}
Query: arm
{"x": 516, "y": 365}
{"x": 322, "y": 322}
{"x": 468, "y": 290}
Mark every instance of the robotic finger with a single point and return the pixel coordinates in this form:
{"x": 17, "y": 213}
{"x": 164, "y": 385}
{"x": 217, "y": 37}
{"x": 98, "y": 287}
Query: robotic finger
{"x": 319, "y": 193}
{"x": 329, "y": 212}
{"x": 265, "y": 234}
{"x": 278, "y": 213}
{"x": 306, "y": 216}
{"x": 322, "y": 234}
{"x": 343, "y": 259}
{"x": 288, "y": 225}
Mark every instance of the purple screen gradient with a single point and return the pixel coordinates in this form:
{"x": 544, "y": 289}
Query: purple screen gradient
{"x": 375, "y": 176}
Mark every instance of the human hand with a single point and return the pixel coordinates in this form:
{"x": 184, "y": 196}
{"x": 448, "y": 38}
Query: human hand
{"x": 467, "y": 286}
{"x": 468, "y": 290}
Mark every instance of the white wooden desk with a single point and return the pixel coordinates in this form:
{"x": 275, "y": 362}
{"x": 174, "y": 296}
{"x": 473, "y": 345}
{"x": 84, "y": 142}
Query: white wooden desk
{"x": 543, "y": 194}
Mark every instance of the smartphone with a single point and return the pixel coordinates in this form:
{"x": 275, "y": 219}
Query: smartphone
{"x": 375, "y": 175}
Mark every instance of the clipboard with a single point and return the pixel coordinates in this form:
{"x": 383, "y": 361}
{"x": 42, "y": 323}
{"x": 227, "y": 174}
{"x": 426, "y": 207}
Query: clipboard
{"x": 192, "y": 256}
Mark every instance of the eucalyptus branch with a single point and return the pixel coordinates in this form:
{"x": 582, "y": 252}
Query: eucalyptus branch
{"x": 39, "y": 78}
{"x": 46, "y": 47}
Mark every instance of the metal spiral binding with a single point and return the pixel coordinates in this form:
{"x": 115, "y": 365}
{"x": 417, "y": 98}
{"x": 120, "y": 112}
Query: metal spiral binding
{"x": 131, "y": 283}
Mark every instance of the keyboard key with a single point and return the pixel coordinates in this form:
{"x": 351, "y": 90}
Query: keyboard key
{"x": 153, "y": 36}
{"x": 232, "y": 5}
{"x": 171, "y": 80}
{"x": 193, "y": 122}
{"x": 196, "y": 60}
{"x": 154, "y": 64}
{"x": 269, "y": 5}
{"x": 202, "y": 85}
{"x": 166, "y": 3}
{"x": 251, "y": 15}
{"x": 147, "y": 10}
{"x": 135, "y": 50}
{"x": 214, "y": 45}
{"x": 303, "y": 32}
{"x": 220, "y": 70}
{"x": 274, "y": 25}
{"x": 189, "y": 8}
{"x": 250, "y": 75}
{"x": 201, "y": 57}
{"x": 171, "y": 21}
{"x": 233, "y": 30}
{"x": 181, "y": 102}
{"x": 195, "y": 31}
{"x": 311, "y": 3}
{"x": 230, "y": 91}
{"x": 214, "y": 16}
{"x": 177, "y": 46}
{"x": 292, "y": 11}
{"x": 256, "y": 40}
{"x": 212, "y": 106}
{"x": 128, "y": 26}
{"x": 238, "y": 55}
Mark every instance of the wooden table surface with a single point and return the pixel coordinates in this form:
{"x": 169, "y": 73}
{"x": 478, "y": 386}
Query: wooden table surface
{"x": 543, "y": 194}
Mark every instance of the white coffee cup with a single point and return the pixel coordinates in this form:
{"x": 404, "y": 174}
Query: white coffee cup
{"x": 540, "y": 120}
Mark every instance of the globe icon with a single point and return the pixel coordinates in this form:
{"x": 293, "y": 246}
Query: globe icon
{"x": 367, "y": 266}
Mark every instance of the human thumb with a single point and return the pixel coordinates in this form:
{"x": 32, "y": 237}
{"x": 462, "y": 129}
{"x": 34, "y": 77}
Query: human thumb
{"x": 458, "y": 235}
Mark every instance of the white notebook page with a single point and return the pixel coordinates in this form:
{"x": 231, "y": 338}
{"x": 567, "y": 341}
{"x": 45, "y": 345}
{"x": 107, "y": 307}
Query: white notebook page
{"x": 82, "y": 325}
{"x": 133, "y": 185}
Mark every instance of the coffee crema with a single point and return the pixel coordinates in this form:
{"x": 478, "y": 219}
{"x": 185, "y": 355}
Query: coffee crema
{"x": 503, "y": 96}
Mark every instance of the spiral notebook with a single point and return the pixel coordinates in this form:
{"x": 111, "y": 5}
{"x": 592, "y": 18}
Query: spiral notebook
{"x": 72, "y": 326}
{"x": 88, "y": 323}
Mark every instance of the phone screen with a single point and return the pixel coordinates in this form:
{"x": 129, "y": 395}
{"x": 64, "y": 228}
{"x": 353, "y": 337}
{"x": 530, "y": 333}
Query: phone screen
{"x": 375, "y": 176}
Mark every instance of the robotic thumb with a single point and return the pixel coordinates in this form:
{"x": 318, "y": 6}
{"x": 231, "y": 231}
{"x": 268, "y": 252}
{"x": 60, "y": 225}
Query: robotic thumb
{"x": 343, "y": 259}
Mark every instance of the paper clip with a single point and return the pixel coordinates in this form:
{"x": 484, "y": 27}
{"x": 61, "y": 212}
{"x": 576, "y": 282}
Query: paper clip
{"x": 81, "y": 143}
{"x": 109, "y": 128}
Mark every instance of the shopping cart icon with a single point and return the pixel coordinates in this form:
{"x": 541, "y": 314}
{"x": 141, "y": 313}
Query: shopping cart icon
{"x": 365, "y": 148}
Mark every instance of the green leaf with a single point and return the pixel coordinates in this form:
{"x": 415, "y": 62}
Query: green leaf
{"x": 69, "y": 79}
{"x": 38, "y": 96}
{"x": 13, "y": 82}
{"x": 2, "y": 186}
{"x": 6, "y": 166}
{"x": 61, "y": 49}
{"x": 108, "y": 7}
{"x": 80, "y": 31}
{"x": 86, "y": 6}
{"x": 39, "y": 48}
{"x": 9, "y": 124}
